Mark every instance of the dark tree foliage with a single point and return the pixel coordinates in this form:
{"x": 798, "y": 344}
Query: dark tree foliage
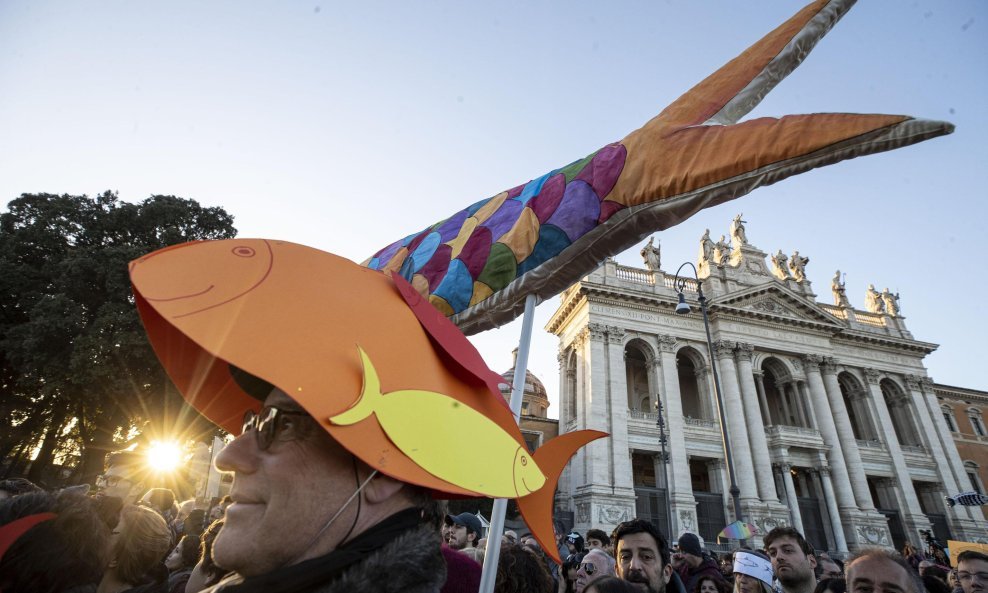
{"x": 75, "y": 365}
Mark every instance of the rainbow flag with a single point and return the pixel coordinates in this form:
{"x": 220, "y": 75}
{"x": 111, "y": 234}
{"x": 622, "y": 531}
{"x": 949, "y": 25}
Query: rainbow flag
{"x": 737, "y": 530}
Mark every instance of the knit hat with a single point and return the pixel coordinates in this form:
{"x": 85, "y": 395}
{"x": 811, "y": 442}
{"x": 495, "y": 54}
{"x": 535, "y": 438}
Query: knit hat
{"x": 689, "y": 543}
{"x": 753, "y": 564}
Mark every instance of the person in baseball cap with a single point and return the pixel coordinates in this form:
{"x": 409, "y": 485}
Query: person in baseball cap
{"x": 464, "y": 531}
{"x": 691, "y": 564}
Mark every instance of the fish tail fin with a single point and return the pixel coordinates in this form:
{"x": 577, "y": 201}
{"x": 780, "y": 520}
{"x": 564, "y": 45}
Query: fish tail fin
{"x": 370, "y": 395}
{"x": 536, "y": 508}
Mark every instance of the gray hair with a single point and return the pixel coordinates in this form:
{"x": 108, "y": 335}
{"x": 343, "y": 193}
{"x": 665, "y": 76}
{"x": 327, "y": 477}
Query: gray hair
{"x": 609, "y": 563}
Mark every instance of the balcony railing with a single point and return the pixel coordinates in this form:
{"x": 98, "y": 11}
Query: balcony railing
{"x": 871, "y": 445}
{"x": 637, "y": 275}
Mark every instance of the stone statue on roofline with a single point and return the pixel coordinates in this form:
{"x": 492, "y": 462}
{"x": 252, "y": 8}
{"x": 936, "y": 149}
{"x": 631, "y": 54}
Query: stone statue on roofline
{"x": 873, "y": 300}
{"x": 652, "y": 255}
{"x": 797, "y": 265}
{"x": 722, "y": 252}
{"x": 891, "y": 302}
{"x": 737, "y": 232}
{"x": 706, "y": 249}
{"x": 780, "y": 265}
{"x": 840, "y": 293}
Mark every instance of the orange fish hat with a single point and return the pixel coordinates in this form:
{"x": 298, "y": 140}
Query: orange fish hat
{"x": 316, "y": 326}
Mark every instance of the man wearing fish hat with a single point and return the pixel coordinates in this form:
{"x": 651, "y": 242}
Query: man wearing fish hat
{"x": 342, "y": 384}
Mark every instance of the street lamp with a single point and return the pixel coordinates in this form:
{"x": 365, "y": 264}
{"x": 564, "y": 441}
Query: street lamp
{"x": 661, "y": 423}
{"x": 683, "y": 308}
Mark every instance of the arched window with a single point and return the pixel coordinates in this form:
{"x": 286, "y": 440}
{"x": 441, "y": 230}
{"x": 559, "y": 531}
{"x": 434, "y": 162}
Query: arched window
{"x": 692, "y": 391}
{"x": 977, "y": 422}
{"x": 901, "y": 412}
{"x": 974, "y": 476}
{"x": 782, "y": 395}
{"x": 948, "y": 416}
{"x": 855, "y": 400}
{"x": 636, "y": 375}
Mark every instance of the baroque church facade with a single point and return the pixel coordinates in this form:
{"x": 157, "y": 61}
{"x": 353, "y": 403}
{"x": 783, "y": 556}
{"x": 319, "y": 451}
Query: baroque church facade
{"x": 834, "y": 423}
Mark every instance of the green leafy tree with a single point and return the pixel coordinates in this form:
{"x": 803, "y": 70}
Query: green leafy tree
{"x": 75, "y": 365}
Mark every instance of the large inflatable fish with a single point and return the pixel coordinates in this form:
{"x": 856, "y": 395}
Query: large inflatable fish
{"x": 384, "y": 373}
{"x": 478, "y": 265}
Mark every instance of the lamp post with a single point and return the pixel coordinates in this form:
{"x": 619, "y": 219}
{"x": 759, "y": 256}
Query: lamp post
{"x": 661, "y": 423}
{"x": 682, "y": 308}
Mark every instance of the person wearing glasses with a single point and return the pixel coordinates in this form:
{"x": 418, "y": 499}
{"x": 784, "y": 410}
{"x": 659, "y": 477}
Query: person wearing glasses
{"x": 595, "y": 565}
{"x": 123, "y": 477}
{"x": 972, "y": 571}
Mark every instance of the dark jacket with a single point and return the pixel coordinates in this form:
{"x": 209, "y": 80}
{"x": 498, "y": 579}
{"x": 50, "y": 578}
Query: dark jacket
{"x": 410, "y": 562}
{"x": 691, "y": 576}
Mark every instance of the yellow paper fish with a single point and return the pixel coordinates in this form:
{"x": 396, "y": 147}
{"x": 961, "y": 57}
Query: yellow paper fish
{"x": 447, "y": 438}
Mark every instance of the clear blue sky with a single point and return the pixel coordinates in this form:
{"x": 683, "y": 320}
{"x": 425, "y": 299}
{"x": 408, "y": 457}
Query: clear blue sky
{"x": 348, "y": 125}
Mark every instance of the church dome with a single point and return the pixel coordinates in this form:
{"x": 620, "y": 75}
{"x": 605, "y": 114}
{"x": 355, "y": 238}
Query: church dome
{"x": 535, "y": 399}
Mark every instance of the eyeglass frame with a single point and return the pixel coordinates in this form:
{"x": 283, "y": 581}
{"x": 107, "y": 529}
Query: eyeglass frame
{"x": 266, "y": 437}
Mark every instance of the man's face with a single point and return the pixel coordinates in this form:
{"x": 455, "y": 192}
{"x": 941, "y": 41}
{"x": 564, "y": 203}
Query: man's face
{"x": 878, "y": 575}
{"x": 792, "y": 567}
{"x": 460, "y": 537}
{"x": 923, "y": 566}
{"x": 591, "y": 569}
{"x": 973, "y": 575}
{"x": 284, "y": 496}
{"x": 594, "y": 544}
{"x": 830, "y": 569}
{"x": 118, "y": 483}
{"x": 639, "y": 562}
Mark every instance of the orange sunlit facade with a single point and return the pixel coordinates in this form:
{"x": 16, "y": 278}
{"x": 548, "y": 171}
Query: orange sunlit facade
{"x": 966, "y": 414}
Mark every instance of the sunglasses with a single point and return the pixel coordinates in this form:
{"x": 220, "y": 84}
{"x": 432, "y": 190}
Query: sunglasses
{"x": 268, "y": 424}
{"x": 588, "y": 568}
{"x": 110, "y": 481}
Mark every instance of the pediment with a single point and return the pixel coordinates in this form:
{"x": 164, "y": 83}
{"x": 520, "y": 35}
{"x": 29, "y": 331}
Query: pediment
{"x": 772, "y": 300}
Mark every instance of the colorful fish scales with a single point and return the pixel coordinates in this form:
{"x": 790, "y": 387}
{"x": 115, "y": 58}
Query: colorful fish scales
{"x": 478, "y": 251}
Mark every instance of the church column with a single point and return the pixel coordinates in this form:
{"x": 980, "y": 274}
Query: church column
{"x": 791, "y": 502}
{"x": 785, "y": 405}
{"x": 835, "y": 523}
{"x": 737, "y": 431}
{"x": 579, "y": 469}
{"x": 617, "y": 407}
{"x": 845, "y": 432}
{"x": 797, "y": 401}
{"x": 681, "y": 486}
{"x": 942, "y": 447}
{"x": 914, "y": 517}
{"x": 827, "y": 428}
{"x": 595, "y": 416}
{"x": 804, "y": 392}
{"x": 756, "y": 429}
{"x": 563, "y": 489}
{"x": 760, "y": 387}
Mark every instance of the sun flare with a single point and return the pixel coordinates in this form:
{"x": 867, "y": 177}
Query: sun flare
{"x": 164, "y": 456}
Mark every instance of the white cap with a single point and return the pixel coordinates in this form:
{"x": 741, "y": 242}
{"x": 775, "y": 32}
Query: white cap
{"x": 753, "y": 565}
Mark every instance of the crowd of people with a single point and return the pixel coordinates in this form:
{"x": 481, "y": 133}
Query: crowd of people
{"x": 636, "y": 557}
{"x": 127, "y": 538}
{"x": 323, "y": 502}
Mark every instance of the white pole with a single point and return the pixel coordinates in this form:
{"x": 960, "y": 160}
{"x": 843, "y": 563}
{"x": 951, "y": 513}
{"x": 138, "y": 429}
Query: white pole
{"x": 493, "y": 553}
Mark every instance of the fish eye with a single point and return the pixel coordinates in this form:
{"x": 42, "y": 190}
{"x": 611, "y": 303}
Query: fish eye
{"x": 243, "y": 251}
{"x": 524, "y": 460}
